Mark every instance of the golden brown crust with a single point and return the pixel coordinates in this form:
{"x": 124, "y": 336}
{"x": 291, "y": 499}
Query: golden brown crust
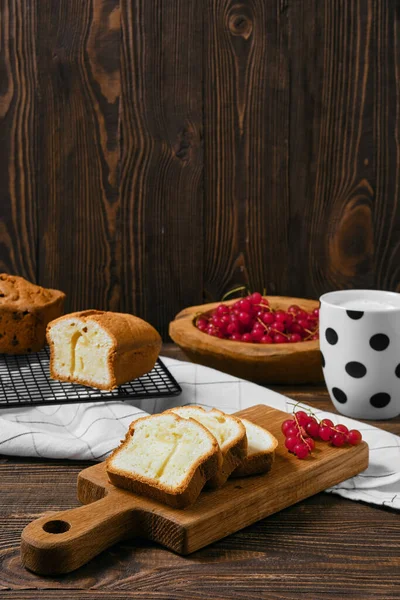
{"x": 184, "y": 494}
{"x": 232, "y": 454}
{"x": 25, "y": 311}
{"x": 255, "y": 465}
{"x": 258, "y": 462}
{"x": 128, "y": 331}
{"x": 135, "y": 350}
{"x": 231, "y": 459}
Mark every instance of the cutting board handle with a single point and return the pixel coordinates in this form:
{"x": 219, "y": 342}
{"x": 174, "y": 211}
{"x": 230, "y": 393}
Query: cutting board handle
{"x": 63, "y": 541}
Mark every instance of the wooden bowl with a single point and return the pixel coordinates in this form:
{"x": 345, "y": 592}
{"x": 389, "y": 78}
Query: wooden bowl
{"x": 262, "y": 363}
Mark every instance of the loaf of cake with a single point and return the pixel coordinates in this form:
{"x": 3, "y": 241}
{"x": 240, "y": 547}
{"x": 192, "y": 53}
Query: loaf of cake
{"x": 101, "y": 349}
{"x": 229, "y": 432}
{"x": 166, "y": 458}
{"x": 25, "y": 311}
{"x": 260, "y": 451}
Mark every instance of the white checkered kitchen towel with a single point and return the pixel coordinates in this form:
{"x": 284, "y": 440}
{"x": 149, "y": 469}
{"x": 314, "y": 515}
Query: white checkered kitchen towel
{"x": 91, "y": 431}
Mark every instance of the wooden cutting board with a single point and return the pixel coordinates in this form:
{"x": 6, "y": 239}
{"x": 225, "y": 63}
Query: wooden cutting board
{"x": 63, "y": 541}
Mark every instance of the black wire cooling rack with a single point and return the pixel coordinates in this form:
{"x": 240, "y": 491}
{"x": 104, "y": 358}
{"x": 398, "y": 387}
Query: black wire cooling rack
{"x": 25, "y": 381}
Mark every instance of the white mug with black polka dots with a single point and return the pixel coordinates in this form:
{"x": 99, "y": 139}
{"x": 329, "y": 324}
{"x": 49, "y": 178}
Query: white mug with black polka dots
{"x": 360, "y": 351}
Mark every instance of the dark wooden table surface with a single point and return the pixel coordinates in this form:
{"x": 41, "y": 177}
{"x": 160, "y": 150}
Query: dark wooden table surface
{"x": 323, "y": 547}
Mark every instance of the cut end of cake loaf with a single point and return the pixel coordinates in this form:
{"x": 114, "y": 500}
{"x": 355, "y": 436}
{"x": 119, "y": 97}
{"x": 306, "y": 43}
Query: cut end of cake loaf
{"x": 260, "y": 451}
{"x": 101, "y": 349}
{"x": 230, "y": 434}
{"x": 166, "y": 458}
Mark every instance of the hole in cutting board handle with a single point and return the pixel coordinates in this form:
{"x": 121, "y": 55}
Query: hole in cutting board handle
{"x": 56, "y": 526}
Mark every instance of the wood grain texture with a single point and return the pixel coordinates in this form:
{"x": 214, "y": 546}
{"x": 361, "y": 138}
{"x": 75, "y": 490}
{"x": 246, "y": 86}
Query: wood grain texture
{"x": 77, "y": 48}
{"x": 300, "y": 550}
{"x": 103, "y": 105}
{"x": 246, "y": 112}
{"x": 66, "y": 540}
{"x": 18, "y": 144}
{"x": 344, "y": 145}
{"x": 161, "y": 157}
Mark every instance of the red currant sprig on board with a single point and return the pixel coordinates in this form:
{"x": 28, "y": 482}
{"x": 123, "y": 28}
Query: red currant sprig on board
{"x": 301, "y": 431}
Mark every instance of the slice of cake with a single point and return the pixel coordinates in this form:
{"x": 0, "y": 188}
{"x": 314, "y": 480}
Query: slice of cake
{"x": 260, "y": 451}
{"x": 101, "y": 349}
{"x": 230, "y": 433}
{"x": 166, "y": 458}
{"x": 25, "y": 310}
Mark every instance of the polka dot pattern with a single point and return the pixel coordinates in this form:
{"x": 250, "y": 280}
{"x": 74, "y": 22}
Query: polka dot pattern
{"x": 356, "y": 369}
{"x": 379, "y": 342}
{"x": 380, "y": 400}
{"x": 355, "y": 314}
{"x": 356, "y": 365}
{"x": 331, "y": 336}
{"x": 339, "y": 395}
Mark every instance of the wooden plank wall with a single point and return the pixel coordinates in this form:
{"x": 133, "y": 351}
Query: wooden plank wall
{"x": 156, "y": 153}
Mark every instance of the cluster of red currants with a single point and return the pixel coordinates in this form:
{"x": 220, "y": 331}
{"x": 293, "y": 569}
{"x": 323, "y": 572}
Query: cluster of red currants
{"x": 252, "y": 320}
{"x": 303, "y": 429}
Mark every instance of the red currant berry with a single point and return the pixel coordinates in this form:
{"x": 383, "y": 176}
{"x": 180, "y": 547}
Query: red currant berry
{"x": 310, "y": 443}
{"x": 257, "y": 335}
{"x": 312, "y": 428}
{"x": 232, "y": 328}
{"x": 214, "y": 333}
{"x": 222, "y": 309}
{"x": 341, "y": 428}
{"x": 325, "y": 433}
{"x": 278, "y": 327}
{"x": 293, "y": 431}
{"x": 266, "y": 339}
{"x": 338, "y": 439}
{"x": 302, "y": 417}
{"x": 236, "y": 337}
{"x": 295, "y": 328}
{"x": 294, "y": 338}
{"x": 315, "y": 312}
{"x": 216, "y": 321}
{"x": 326, "y": 422}
{"x": 291, "y": 442}
{"x": 293, "y": 309}
{"x": 301, "y": 314}
{"x": 247, "y": 337}
{"x": 280, "y": 316}
{"x": 255, "y": 298}
{"x": 268, "y": 318}
{"x": 354, "y": 437}
{"x": 301, "y": 450}
{"x": 315, "y": 336}
{"x": 245, "y": 305}
{"x": 244, "y": 318}
{"x": 303, "y": 323}
{"x": 279, "y": 339}
{"x": 289, "y": 320}
{"x": 287, "y": 425}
